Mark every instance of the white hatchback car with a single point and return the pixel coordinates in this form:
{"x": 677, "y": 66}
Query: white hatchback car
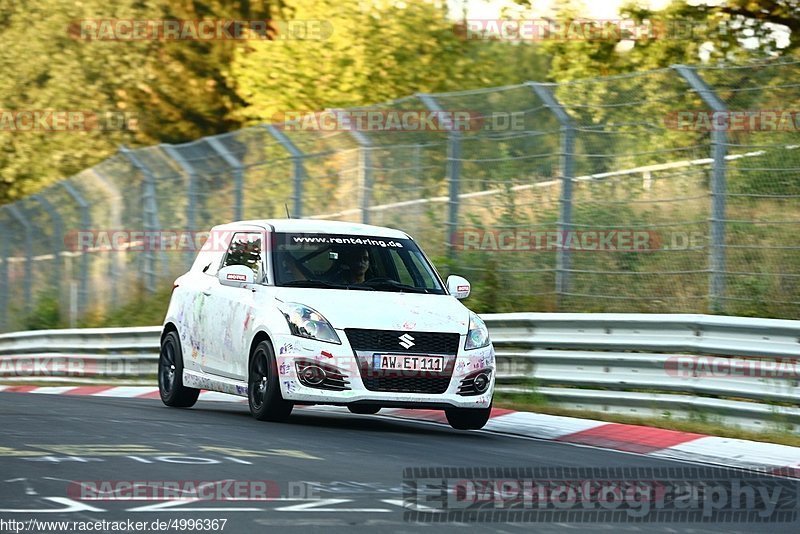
{"x": 300, "y": 311}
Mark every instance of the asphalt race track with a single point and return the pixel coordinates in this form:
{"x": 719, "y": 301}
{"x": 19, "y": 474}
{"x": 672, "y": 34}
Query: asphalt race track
{"x": 331, "y": 470}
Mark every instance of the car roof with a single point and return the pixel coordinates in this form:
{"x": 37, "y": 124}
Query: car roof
{"x": 318, "y": 226}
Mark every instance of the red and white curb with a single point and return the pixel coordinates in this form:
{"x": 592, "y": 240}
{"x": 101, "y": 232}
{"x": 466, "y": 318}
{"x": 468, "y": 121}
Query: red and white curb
{"x": 655, "y": 442}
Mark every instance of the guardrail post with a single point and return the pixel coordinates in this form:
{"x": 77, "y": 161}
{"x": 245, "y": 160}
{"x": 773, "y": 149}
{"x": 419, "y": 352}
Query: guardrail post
{"x": 238, "y": 175}
{"x": 28, "y": 283}
{"x": 191, "y": 176}
{"x": 453, "y": 173}
{"x": 299, "y": 169}
{"x": 57, "y": 240}
{"x": 149, "y": 217}
{"x": 86, "y": 223}
{"x": 719, "y": 146}
{"x": 563, "y": 260}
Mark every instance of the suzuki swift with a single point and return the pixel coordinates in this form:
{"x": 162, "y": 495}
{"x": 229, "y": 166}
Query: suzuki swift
{"x": 302, "y": 312}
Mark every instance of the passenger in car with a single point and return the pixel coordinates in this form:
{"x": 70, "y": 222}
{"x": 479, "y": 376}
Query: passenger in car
{"x": 291, "y": 271}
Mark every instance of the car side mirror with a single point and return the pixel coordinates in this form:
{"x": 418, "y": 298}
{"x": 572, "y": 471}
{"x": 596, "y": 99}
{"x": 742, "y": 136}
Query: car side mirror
{"x": 236, "y": 275}
{"x": 458, "y": 286}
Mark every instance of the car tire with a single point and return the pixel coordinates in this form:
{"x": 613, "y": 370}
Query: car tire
{"x": 468, "y": 418}
{"x": 170, "y": 374}
{"x": 364, "y": 409}
{"x": 263, "y": 388}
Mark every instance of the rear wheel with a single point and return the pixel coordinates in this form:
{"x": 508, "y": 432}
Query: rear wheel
{"x": 263, "y": 391}
{"x": 170, "y": 375}
{"x": 364, "y": 409}
{"x": 468, "y": 418}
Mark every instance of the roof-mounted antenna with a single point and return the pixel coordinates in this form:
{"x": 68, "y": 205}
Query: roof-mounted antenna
{"x": 285, "y": 205}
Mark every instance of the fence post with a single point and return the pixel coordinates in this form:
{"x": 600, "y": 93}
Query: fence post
{"x": 28, "y": 284}
{"x": 4, "y": 277}
{"x": 149, "y": 217}
{"x": 86, "y": 223}
{"x": 453, "y": 173}
{"x": 719, "y": 146}
{"x": 191, "y": 176}
{"x": 299, "y": 169}
{"x": 567, "y": 163}
{"x": 238, "y": 175}
{"x": 115, "y": 265}
{"x": 365, "y": 171}
{"x": 57, "y": 240}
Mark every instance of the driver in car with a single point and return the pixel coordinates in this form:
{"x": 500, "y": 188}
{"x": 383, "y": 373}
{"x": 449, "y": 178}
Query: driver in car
{"x": 355, "y": 264}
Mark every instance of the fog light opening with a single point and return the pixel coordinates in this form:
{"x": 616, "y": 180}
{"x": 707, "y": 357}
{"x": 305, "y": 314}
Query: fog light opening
{"x": 481, "y": 382}
{"x": 313, "y": 375}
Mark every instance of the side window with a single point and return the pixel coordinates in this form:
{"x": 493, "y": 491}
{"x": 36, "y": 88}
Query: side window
{"x": 245, "y": 249}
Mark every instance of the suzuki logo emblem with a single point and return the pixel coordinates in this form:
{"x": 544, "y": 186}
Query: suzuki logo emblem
{"x": 406, "y": 341}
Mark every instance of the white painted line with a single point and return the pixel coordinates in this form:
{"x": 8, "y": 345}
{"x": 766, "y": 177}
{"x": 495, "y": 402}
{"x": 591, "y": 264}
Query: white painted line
{"x": 539, "y": 425}
{"x": 124, "y": 391}
{"x": 53, "y": 390}
{"x": 734, "y": 452}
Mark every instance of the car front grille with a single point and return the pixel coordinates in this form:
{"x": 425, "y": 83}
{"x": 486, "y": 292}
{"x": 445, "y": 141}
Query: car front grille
{"x": 390, "y": 340}
{"x": 366, "y": 343}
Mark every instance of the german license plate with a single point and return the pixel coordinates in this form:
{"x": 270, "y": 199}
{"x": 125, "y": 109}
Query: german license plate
{"x": 402, "y": 362}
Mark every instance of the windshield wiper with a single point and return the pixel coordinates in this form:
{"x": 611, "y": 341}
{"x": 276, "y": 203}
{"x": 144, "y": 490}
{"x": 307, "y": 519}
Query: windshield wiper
{"x": 321, "y": 284}
{"x": 392, "y": 285}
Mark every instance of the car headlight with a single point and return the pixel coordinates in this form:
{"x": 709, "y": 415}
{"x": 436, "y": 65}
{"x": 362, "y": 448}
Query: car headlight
{"x": 308, "y": 322}
{"x": 478, "y": 334}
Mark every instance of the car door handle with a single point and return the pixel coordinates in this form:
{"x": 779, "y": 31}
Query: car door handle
{"x": 207, "y": 291}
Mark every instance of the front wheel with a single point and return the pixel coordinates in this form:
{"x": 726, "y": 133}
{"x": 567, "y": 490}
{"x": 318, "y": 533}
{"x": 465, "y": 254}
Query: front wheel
{"x": 170, "y": 375}
{"x": 468, "y": 418}
{"x": 263, "y": 391}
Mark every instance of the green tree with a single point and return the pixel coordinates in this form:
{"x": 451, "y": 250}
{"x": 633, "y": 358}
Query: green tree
{"x": 179, "y": 90}
{"x": 373, "y": 52}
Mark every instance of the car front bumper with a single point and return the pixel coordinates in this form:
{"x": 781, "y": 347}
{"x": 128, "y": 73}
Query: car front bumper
{"x": 291, "y": 349}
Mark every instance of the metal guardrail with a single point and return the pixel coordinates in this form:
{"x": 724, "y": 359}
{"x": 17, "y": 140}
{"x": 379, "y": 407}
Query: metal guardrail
{"x": 79, "y": 354}
{"x": 733, "y": 370}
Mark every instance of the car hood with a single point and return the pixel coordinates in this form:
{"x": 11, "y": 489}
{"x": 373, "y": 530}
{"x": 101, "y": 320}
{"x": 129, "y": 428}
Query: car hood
{"x": 383, "y": 310}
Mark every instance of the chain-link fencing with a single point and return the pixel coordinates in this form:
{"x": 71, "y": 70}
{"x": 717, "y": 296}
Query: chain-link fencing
{"x": 674, "y": 190}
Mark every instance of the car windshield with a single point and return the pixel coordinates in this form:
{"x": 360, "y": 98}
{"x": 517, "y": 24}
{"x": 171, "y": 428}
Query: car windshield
{"x": 334, "y": 261}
